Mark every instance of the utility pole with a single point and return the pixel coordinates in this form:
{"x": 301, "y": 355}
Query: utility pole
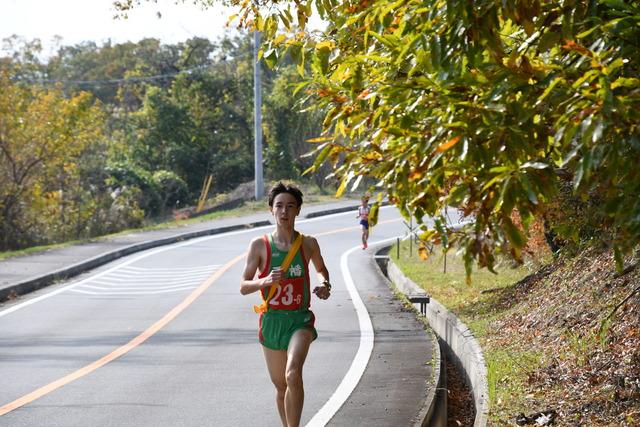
{"x": 257, "y": 114}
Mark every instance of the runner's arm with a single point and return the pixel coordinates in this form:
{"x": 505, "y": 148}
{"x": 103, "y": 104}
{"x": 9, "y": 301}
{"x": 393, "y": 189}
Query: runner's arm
{"x": 321, "y": 269}
{"x": 249, "y": 284}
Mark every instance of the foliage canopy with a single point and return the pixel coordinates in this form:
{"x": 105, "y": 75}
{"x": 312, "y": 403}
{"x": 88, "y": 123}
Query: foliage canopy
{"x": 487, "y": 106}
{"x": 98, "y": 138}
{"x": 46, "y": 143}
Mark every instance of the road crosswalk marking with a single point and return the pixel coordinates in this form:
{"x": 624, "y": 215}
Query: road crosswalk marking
{"x": 132, "y": 281}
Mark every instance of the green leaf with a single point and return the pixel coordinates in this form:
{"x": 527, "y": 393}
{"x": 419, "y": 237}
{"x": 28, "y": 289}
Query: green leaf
{"x": 343, "y": 184}
{"x": 587, "y": 32}
{"x": 628, "y": 82}
{"x": 597, "y": 132}
{"x": 298, "y": 87}
{"x": 373, "y": 214}
{"x": 548, "y": 90}
{"x": 492, "y": 181}
{"x": 514, "y": 235}
{"x": 388, "y": 40}
{"x": 324, "y": 152}
{"x": 549, "y": 39}
{"x": 583, "y": 170}
{"x": 504, "y": 197}
{"x": 616, "y": 4}
{"x": 529, "y": 189}
{"x": 270, "y": 58}
{"x": 534, "y": 165}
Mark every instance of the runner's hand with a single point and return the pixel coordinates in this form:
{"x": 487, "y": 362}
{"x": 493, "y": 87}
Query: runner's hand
{"x": 322, "y": 292}
{"x": 274, "y": 277}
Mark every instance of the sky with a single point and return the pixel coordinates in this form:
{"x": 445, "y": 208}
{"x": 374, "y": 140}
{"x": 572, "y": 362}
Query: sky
{"x": 83, "y": 20}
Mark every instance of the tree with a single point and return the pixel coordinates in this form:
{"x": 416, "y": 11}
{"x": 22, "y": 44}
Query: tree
{"x": 219, "y": 102}
{"x": 166, "y": 117}
{"x": 164, "y": 135}
{"x": 21, "y": 57}
{"x": 485, "y": 106}
{"x": 287, "y": 129}
{"x": 46, "y": 141}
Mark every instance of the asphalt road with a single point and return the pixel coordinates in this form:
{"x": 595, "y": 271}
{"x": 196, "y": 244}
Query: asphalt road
{"x": 164, "y": 338}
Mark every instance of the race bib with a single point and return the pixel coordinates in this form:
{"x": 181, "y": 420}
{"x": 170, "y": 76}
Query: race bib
{"x": 289, "y": 294}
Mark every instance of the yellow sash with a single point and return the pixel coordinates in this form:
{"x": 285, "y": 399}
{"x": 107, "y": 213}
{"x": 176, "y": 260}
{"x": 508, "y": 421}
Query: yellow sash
{"x": 285, "y": 265}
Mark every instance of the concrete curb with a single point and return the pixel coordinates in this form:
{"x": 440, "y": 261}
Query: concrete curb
{"x": 332, "y": 211}
{"x": 39, "y": 282}
{"x": 465, "y": 349}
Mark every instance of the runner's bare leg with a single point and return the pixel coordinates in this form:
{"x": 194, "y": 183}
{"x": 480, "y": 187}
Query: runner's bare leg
{"x": 296, "y": 355}
{"x": 277, "y": 364}
{"x": 365, "y": 236}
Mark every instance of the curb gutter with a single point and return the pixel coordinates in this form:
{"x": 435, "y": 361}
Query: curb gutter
{"x": 434, "y": 411}
{"x": 458, "y": 341}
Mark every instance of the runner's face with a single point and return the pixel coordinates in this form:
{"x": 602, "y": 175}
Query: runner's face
{"x": 285, "y": 208}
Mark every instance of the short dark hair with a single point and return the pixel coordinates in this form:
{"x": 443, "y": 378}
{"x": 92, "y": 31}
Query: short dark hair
{"x": 280, "y": 188}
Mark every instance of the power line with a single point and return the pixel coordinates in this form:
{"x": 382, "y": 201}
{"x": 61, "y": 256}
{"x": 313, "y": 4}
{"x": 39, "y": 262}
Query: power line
{"x": 133, "y": 79}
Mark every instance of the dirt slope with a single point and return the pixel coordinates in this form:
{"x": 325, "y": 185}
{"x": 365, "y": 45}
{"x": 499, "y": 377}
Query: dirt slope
{"x": 581, "y": 322}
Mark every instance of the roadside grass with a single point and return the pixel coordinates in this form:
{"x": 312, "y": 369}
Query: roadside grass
{"x": 506, "y": 368}
{"x": 560, "y": 337}
{"x": 508, "y": 364}
{"x": 42, "y": 248}
{"x": 312, "y": 195}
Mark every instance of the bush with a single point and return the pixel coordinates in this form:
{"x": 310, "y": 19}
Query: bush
{"x": 123, "y": 175}
{"x": 173, "y": 190}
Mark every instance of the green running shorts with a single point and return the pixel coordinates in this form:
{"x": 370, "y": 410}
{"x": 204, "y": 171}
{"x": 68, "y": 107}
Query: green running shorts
{"x": 277, "y": 327}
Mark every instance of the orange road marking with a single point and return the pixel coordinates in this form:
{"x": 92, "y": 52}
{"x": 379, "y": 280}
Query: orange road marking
{"x": 42, "y": 391}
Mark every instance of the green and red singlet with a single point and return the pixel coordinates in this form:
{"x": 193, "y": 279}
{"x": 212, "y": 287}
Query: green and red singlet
{"x": 293, "y": 292}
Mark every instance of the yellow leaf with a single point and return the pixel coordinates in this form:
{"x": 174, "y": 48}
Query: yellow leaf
{"x": 415, "y": 175}
{"x": 320, "y": 139}
{"x": 279, "y": 39}
{"x": 450, "y": 143}
{"x": 324, "y": 45}
{"x": 342, "y": 187}
{"x": 423, "y": 252}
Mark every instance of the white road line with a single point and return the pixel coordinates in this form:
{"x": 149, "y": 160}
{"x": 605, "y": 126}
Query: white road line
{"x": 139, "y": 273}
{"x": 202, "y": 268}
{"x": 100, "y": 293}
{"x": 199, "y": 269}
{"x": 139, "y": 288}
{"x": 361, "y": 359}
{"x": 142, "y": 285}
{"x": 144, "y": 279}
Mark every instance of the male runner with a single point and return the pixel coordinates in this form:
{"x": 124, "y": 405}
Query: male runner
{"x": 286, "y": 323}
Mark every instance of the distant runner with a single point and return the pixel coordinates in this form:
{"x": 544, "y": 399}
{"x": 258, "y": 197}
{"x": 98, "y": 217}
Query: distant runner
{"x": 363, "y": 215}
{"x": 286, "y": 323}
